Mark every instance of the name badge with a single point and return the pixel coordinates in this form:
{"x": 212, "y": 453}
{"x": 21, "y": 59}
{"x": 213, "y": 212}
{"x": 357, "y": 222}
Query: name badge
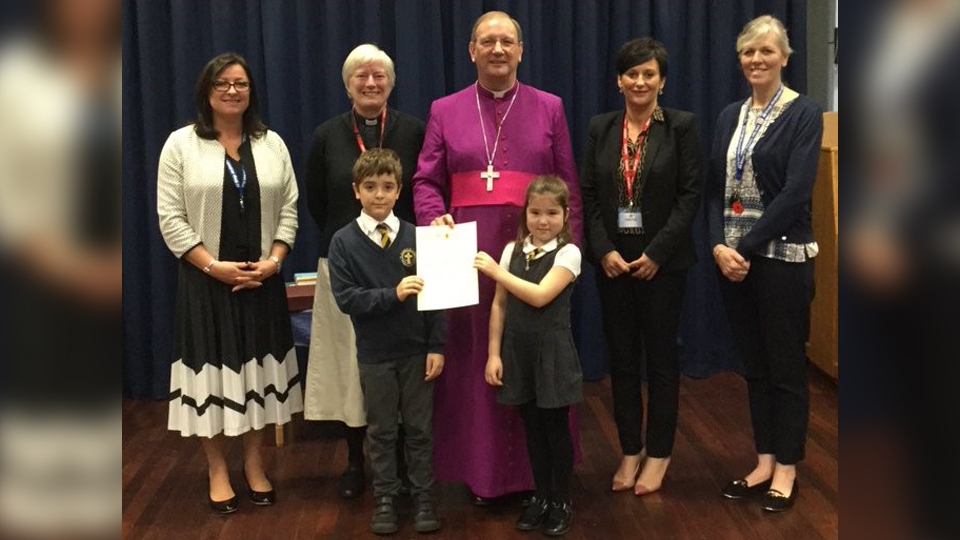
{"x": 629, "y": 218}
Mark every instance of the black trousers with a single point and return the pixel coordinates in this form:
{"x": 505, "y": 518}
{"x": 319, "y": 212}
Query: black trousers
{"x": 640, "y": 320}
{"x": 389, "y": 389}
{"x": 770, "y": 316}
{"x": 550, "y": 449}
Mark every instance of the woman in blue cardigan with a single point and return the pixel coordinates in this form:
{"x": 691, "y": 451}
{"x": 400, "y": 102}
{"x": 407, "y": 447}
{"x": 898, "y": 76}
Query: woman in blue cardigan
{"x": 762, "y": 168}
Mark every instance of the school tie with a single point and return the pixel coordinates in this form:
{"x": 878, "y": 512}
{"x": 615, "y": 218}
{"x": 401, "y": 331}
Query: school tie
{"x": 384, "y": 234}
{"x": 531, "y": 256}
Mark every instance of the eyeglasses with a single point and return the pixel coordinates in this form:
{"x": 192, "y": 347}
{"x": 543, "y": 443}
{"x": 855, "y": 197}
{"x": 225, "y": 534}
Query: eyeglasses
{"x": 239, "y": 86}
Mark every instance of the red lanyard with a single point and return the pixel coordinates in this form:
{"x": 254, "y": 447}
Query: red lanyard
{"x": 356, "y": 130}
{"x": 630, "y": 166}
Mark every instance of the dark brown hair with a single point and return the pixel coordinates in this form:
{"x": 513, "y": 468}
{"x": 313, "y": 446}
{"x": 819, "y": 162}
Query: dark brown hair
{"x": 640, "y": 50}
{"x": 377, "y": 161}
{"x": 253, "y": 126}
{"x": 547, "y": 184}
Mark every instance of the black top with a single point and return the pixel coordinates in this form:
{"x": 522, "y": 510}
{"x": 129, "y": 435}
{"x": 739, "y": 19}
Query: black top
{"x": 672, "y": 187}
{"x": 329, "y": 177}
{"x": 240, "y": 229}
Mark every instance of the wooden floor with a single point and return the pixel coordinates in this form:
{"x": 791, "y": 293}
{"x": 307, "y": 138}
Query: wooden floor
{"x": 165, "y": 490}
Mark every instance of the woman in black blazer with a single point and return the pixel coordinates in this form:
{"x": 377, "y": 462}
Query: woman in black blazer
{"x": 641, "y": 188}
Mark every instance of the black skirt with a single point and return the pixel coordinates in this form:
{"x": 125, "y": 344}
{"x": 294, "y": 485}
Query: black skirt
{"x": 235, "y": 367}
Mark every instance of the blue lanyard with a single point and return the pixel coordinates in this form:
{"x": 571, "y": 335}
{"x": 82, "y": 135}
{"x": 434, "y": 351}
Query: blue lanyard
{"x": 740, "y": 156}
{"x": 239, "y": 183}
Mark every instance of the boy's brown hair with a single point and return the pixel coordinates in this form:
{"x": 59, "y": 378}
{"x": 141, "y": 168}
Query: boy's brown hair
{"x": 377, "y": 161}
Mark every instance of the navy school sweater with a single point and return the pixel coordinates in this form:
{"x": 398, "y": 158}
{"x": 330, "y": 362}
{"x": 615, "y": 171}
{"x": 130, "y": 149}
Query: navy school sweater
{"x": 364, "y": 278}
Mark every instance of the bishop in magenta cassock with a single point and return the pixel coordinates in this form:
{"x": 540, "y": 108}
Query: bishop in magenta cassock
{"x": 482, "y": 147}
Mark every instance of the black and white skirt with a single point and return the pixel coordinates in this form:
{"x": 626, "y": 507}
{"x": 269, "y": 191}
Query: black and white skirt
{"x": 235, "y": 367}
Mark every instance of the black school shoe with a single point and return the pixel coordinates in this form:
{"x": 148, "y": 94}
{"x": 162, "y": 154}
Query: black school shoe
{"x": 426, "y": 518}
{"x": 385, "y": 519}
{"x": 558, "y": 520}
{"x": 533, "y": 514}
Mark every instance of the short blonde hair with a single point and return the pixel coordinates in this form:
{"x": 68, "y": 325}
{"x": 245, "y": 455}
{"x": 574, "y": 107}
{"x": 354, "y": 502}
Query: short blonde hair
{"x": 362, "y": 54}
{"x": 760, "y": 27}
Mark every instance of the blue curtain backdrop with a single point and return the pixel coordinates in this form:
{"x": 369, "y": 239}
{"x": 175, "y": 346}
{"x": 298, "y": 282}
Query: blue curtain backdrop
{"x": 296, "y": 49}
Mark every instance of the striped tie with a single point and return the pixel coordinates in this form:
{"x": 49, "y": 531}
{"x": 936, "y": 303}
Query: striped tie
{"x": 384, "y": 234}
{"x": 531, "y": 256}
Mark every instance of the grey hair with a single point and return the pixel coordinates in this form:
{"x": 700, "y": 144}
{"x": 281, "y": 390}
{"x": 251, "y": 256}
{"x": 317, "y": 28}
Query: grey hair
{"x": 760, "y": 27}
{"x": 362, "y": 54}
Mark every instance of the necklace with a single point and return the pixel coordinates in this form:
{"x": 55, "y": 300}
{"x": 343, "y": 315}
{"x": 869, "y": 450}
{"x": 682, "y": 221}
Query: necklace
{"x": 490, "y": 175}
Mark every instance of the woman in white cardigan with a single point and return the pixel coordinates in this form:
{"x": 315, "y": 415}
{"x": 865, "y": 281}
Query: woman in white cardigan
{"x": 226, "y": 197}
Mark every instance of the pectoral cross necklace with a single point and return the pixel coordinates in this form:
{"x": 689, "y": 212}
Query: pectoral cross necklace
{"x": 490, "y": 175}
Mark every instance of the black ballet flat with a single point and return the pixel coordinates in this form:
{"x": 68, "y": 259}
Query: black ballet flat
{"x": 738, "y": 489}
{"x": 263, "y": 498}
{"x": 228, "y": 506}
{"x": 774, "y": 501}
{"x": 260, "y": 498}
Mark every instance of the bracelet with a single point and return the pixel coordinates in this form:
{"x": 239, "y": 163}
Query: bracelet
{"x": 208, "y": 267}
{"x": 276, "y": 260}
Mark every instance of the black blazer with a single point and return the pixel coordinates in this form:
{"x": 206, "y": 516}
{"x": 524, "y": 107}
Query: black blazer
{"x": 671, "y": 189}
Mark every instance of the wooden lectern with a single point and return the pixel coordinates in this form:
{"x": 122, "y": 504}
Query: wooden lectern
{"x": 824, "y": 324}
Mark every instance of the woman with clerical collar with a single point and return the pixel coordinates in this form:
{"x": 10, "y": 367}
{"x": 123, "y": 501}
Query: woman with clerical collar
{"x": 332, "y": 379}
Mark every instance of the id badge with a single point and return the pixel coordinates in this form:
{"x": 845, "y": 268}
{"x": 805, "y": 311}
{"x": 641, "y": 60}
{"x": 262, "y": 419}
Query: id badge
{"x": 629, "y": 218}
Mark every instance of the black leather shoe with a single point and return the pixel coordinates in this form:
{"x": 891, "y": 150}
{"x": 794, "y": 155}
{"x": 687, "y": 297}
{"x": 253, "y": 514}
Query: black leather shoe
{"x": 385, "y": 518}
{"x": 352, "y": 483}
{"x": 228, "y": 506}
{"x": 533, "y": 515}
{"x": 426, "y": 519}
{"x": 774, "y": 501}
{"x": 260, "y": 498}
{"x": 738, "y": 489}
{"x": 558, "y": 520}
{"x": 527, "y": 498}
{"x": 263, "y": 498}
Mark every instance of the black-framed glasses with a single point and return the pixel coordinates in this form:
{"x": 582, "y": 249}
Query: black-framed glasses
{"x": 239, "y": 86}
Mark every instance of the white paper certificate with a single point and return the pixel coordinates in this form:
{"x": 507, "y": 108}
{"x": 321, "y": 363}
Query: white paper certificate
{"x": 445, "y": 262}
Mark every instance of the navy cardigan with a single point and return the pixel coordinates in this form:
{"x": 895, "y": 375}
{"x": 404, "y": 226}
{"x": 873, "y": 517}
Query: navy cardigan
{"x": 785, "y": 167}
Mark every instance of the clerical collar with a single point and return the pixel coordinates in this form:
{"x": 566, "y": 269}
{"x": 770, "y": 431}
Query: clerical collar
{"x": 498, "y": 94}
{"x": 367, "y": 121}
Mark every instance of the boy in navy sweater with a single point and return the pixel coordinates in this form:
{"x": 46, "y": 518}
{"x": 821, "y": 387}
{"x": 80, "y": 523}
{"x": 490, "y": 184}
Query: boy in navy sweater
{"x": 400, "y": 350}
